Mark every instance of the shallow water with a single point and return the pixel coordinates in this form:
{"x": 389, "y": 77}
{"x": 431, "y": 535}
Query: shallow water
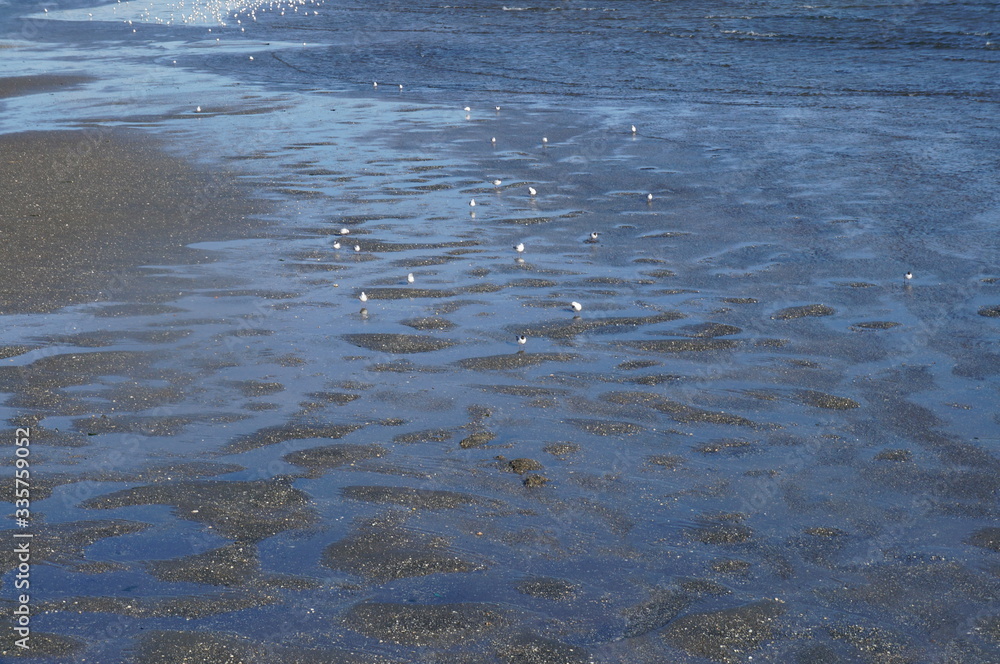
{"x": 756, "y": 439}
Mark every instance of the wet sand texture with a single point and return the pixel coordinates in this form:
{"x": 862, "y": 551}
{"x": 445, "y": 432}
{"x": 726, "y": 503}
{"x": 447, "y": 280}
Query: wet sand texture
{"x": 83, "y": 209}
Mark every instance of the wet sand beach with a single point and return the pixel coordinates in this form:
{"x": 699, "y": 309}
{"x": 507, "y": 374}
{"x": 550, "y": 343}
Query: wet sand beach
{"x": 753, "y": 440}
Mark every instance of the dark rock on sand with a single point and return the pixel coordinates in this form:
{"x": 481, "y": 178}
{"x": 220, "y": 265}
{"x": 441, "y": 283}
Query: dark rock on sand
{"x": 803, "y": 311}
{"x": 514, "y": 361}
{"x": 724, "y": 636}
{"x": 430, "y": 499}
{"x": 242, "y": 511}
{"x": 398, "y": 343}
{"x": 534, "y": 481}
{"x": 547, "y": 588}
{"x": 382, "y": 550}
{"x": 423, "y": 624}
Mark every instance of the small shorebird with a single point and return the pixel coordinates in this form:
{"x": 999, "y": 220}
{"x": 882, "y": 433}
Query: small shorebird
{"x": 467, "y": 109}
{"x": 497, "y": 183}
{"x": 472, "y": 203}
{"x": 363, "y": 297}
{"x": 493, "y": 140}
{"x": 576, "y": 306}
{"x": 649, "y": 198}
{"x": 336, "y": 245}
{"x": 522, "y": 340}
{"x": 498, "y": 109}
{"x": 593, "y": 235}
{"x": 545, "y": 141}
{"x": 633, "y": 130}
{"x": 908, "y": 276}
{"x": 357, "y": 247}
{"x": 345, "y": 231}
{"x": 532, "y": 191}
{"x": 374, "y": 84}
{"x": 400, "y": 86}
{"x": 519, "y": 247}
{"x": 409, "y": 278}
{"x": 198, "y": 110}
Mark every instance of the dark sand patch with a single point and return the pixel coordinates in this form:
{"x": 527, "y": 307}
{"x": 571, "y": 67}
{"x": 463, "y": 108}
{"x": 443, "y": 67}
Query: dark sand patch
{"x": 423, "y": 624}
{"x": 561, "y": 449}
{"x": 42, "y": 645}
{"x": 875, "y": 645}
{"x": 333, "y": 456}
{"x": 723, "y": 529}
{"x": 739, "y": 300}
{"x": 281, "y": 433}
{"x": 146, "y": 426}
{"x": 230, "y": 565}
{"x": 244, "y": 511}
{"x": 992, "y": 311}
{"x": 894, "y": 455}
{"x": 523, "y": 465}
{"x": 94, "y": 205}
{"x": 677, "y": 411}
{"x": 823, "y": 400}
{"x": 65, "y": 543}
{"x": 875, "y": 325}
{"x": 723, "y": 445}
{"x": 727, "y": 635}
{"x": 662, "y": 607}
{"x": 406, "y": 293}
{"x": 380, "y": 246}
{"x": 571, "y": 328}
{"x": 523, "y": 390}
{"x": 534, "y": 481}
{"x": 14, "y": 86}
{"x": 607, "y": 427}
{"x": 547, "y": 588}
{"x": 383, "y": 550}
{"x": 190, "y": 607}
{"x": 135, "y": 309}
{"x": 680, "y": 345}
{"x": 803, "y": 311}
{"x": 668, "y": 461}
{"x": 14, "y": 351}
{"x": 425, "y": 436}
{"x": 634, "y": 365}
{"x": 398, "y": 343}
{"x": 430, "y": 499}
{"x": 69, "y": 369}
{"x": 477, "y": 439}
{"x": 533, "y": 649}
{"x": 204, "y": 647}
{"x": 429, "y": 323}
{"x": 709, "y": 330}
{"x": 258, "y": 388}
{"x": 986, "y": 538}
{"x": 337, "y": 398}
{"x": 517, "y": 360}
